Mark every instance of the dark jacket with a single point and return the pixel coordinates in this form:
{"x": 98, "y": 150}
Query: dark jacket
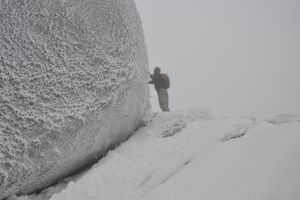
{"x": 157, "y": 80}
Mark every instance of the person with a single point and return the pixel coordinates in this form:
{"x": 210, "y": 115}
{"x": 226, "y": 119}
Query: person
{"x": 163, "y": 97}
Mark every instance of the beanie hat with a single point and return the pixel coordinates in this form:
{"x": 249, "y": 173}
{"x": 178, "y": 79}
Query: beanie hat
{"x": 156, "y": 70}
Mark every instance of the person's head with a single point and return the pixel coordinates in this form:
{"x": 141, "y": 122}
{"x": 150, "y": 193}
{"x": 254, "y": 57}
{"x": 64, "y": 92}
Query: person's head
{"x": 156, "y": 70}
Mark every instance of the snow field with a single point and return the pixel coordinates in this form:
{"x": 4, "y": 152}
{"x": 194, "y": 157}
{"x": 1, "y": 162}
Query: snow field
{"x": 263, "y": 164}
{"x": 190, "y": 155}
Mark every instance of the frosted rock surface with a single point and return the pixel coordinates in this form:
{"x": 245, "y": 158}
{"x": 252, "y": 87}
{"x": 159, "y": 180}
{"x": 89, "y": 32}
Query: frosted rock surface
{"x": 73, "y": 83}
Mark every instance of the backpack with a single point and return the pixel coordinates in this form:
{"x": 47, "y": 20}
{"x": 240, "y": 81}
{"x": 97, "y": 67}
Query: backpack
{"x": 166, "y": 81}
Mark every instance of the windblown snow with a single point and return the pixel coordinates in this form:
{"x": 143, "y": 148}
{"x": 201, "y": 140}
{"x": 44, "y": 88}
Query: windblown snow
{"x": 73, "y": 83}
{"x": 188, "y": 154}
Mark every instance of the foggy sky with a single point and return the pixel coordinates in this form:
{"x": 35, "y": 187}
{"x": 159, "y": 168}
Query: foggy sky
{"x": 235, "y": 58}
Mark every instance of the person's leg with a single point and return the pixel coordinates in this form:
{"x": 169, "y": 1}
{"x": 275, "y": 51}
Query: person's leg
{"x": 163, "y": 99}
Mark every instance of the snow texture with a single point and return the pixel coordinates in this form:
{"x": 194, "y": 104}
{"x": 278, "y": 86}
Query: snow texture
{"x": 284, "y": 118}
{"x": 256, "y": 161}
{"x": 73, "y": 84}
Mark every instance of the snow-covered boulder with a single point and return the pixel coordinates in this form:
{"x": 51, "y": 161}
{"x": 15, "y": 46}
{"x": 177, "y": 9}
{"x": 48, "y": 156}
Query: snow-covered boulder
{"x": 73, "y": 83}
{"x": 284, "y": 118}
{"x": 167, "y": 124}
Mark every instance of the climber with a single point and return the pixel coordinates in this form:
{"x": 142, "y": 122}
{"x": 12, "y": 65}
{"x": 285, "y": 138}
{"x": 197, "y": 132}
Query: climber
{"x": 161, "y": 83}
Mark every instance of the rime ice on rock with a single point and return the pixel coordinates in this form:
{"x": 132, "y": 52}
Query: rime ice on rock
{"x": 73, "y": 83}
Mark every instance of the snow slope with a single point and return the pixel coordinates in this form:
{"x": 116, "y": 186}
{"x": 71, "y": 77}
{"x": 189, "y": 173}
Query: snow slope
{"x": 73, "y": 84}
{"x": 189, "y": 155}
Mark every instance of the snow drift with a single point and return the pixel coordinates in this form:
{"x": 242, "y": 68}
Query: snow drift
{"x": 73, "y": 83}
{"x": 197, "y": 158}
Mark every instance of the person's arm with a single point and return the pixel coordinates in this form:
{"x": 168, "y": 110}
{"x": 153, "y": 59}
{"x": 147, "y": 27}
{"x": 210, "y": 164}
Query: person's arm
{"x": 151, "y": 76}
{"x": 152, "y": 79}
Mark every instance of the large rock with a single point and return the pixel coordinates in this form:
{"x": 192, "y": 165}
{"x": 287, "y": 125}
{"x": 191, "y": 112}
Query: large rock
{"x": 73, "y": 83}
{"x": 284, "y": 118}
